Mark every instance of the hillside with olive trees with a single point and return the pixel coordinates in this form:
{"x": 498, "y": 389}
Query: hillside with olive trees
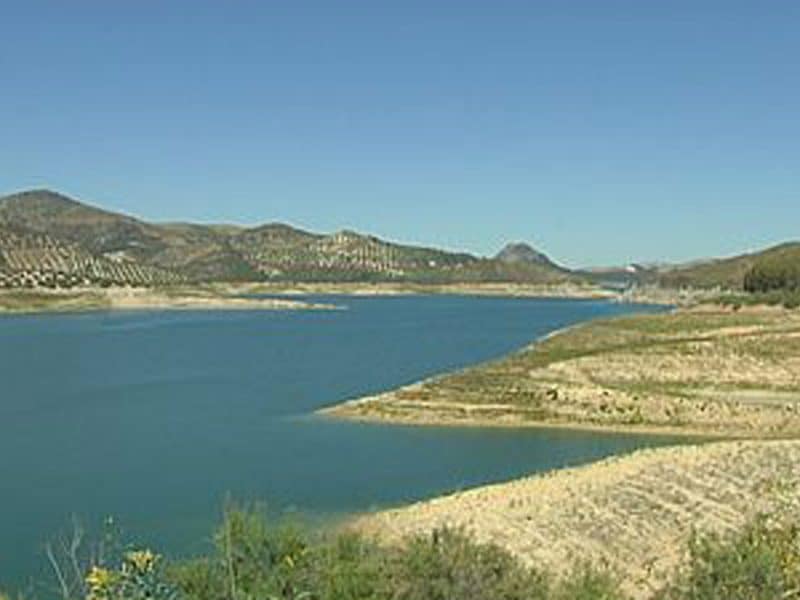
{"x": 48, "y": 239}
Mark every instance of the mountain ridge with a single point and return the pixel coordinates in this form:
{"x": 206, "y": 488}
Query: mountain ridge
{"x": 48, "y": 238}
{"x": 521, "y": 253}
{"x": 193, "y": 252}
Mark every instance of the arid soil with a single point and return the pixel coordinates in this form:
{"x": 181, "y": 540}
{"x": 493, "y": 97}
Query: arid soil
{"x": 564, "y": 290}
{"x": 634, "y": 514}
{"x": 25, "y": 301}
{"x": 708, "y": 371}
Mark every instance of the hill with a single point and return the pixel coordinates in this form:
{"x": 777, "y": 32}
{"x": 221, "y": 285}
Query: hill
{"x": 726, "y": 273}
{"x": 30, "y": 260}
{"x": 59, "y": 226}
{"x": 522, "y": 253}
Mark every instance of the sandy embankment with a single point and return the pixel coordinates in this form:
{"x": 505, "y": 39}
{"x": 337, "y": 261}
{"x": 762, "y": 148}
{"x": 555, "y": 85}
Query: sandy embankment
{"x": 514, "y": 290}
{"x": 87, "y": 299}
{"x": 131, "y": 299}
{"x": 634, "y": 514}
{"x": 711, "y": 373}
{"x": 639, "y": 295}
{"x": 708, "y": 371}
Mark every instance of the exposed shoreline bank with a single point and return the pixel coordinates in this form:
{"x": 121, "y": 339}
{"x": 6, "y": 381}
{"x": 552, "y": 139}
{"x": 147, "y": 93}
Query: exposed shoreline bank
{"x": 724, "y": 380}
{"x": 18, "y": 302}
{"x": 349, "y": 410}
{"x": 707, "y": 372}
{"x": 633, "y": 514}
{"x": 292, "y": 296}
{"x": 511, "y": 290}
{"x": 644, "y": 295}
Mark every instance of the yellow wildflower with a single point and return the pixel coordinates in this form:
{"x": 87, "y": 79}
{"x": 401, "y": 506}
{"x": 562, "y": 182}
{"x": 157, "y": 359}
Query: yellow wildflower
{"x": 142, "y": 561}
{"x": 99, "y": 581}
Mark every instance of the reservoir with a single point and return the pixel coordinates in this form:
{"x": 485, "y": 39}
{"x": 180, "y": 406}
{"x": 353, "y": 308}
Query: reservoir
{"x": 154, "y": 418}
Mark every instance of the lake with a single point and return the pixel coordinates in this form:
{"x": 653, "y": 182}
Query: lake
{"x": 155, "y": 417}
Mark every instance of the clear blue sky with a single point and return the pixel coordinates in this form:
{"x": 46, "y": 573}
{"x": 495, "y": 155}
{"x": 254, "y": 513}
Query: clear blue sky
{"x": 600, "y": 131}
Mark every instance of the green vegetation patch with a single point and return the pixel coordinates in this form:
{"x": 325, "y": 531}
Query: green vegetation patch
{"x": 255, "y": 559}
{"x": 760, "y": 563}
{"x": 786, "y": 298}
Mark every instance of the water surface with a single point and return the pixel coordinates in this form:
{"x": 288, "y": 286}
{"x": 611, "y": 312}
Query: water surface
{"x": 154, "y": 417}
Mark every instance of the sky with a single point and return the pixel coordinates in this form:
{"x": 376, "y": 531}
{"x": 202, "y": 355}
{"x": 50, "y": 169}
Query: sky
{"x": 600, "y": 132}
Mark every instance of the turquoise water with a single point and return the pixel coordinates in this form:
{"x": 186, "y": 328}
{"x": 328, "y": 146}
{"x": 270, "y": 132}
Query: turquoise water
{"x": 154, "y": 417}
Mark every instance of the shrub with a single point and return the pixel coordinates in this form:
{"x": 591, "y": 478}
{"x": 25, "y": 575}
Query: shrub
{"x": 447, "y": 565}
{"x": 585, "y": 582}
{"x": 779, "y": 270}
{"x": 199, "y": 579}
{"x": 787, "y": 298}
{"x": 252, "y": 560}
{"x": 762, "y": 563}
{"x": 255, "y": 559}
{"x": 348, "y": 568}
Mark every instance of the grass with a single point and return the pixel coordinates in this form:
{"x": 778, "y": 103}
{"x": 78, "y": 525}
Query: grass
{"x": 786, "y": 298}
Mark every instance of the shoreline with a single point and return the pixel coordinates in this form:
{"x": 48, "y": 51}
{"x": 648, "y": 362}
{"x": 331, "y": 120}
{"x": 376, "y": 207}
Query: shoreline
{"x": 634, "y": 513}
{"x": 511, "y": 290}
{"x": 234, "y": 296}
{"x": 566, "y": 390}
{"x": 569, "y": 291}
{"x": 694, "y": 435}
{"x": 82, "y": 300}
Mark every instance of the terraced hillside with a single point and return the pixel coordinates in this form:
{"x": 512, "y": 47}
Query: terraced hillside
{"x": 31, "y": 260}
{"x": 273, "y": 252}
{"x": 708, "y": 371}
{"x": 190, "y": 252}
{"x": 279, "y": 251}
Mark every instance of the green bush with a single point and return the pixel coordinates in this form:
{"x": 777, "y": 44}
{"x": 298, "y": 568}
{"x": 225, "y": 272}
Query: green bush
{"x": 786, "y": 298}
{"x": 778, "y": 270}
{"x": 587, "y": 583}
{"x": 448, "y": 565}
{"x": 252, "y": 560}
{"x": 348, "y": 568}
{"x": 762, "y": 563}
{"x": 255, "y": 560}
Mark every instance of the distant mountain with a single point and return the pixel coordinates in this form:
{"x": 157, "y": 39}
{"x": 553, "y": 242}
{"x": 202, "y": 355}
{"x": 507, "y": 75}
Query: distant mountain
{"x": 59, "y": 226}
{"x": 522, "y": 253}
